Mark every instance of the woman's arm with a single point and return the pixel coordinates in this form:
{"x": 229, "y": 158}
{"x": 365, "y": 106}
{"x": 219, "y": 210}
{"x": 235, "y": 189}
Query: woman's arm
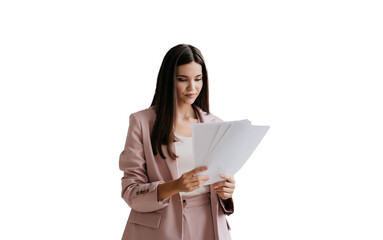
{"x": 137, "y": 191}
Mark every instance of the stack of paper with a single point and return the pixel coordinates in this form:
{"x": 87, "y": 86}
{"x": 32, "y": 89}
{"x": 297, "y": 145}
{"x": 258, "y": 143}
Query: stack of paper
{"x": 224, "y": 147}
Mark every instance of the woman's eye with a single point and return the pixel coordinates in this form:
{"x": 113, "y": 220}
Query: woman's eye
{"x": 199, "y": 79}
{"x": 182, "y": 80}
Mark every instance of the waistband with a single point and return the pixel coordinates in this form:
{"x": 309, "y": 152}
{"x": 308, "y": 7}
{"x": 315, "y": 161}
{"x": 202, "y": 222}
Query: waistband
{"x": 196, "y": 201}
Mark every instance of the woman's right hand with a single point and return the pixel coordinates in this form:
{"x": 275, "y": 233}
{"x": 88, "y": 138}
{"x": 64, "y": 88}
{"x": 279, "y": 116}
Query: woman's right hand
{"x": 189, "y": 182}
{"x": 186, "y": 183}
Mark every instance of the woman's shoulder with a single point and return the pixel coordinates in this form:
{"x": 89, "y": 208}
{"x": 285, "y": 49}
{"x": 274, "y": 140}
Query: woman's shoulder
{"x": 208, "y": 117}
{"x": 144, "y": 114}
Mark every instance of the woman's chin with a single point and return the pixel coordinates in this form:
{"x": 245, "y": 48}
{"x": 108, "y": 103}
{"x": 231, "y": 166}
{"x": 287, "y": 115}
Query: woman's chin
{"x": 189, "y": 101}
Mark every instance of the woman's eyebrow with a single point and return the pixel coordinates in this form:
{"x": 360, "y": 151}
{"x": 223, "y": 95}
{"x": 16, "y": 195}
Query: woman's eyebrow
{"x": 180, "y": 75}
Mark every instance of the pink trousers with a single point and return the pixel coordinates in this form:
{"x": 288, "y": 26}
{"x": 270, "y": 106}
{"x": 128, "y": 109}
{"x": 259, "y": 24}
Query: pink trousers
{"x": 198, "y": 221}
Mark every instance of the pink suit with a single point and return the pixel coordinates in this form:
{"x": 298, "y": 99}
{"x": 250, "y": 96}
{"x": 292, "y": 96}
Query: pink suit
{"x": 150, "y": 219}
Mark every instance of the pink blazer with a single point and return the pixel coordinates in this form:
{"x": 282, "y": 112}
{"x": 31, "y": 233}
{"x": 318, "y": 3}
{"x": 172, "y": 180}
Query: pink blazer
{"x": 150, "y": 219}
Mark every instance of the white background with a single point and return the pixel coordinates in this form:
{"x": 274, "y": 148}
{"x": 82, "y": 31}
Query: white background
{"x": 72, "y": 71}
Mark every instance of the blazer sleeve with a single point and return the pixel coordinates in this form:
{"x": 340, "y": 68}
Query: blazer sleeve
{"x": 137, "y": 191}
{"x": 228, "y": 204}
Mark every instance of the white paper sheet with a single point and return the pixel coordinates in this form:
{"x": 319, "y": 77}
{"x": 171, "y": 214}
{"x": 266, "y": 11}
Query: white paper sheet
{"x": 207, "y": 136}
{"x": 224, "y": 147}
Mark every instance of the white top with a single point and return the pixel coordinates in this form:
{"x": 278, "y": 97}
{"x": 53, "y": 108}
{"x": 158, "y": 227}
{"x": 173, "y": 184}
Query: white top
{"x": 185, "y": 163}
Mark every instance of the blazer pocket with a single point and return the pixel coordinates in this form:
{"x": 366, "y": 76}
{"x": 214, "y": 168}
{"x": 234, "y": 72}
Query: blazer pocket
{"x": 149, "y": 219}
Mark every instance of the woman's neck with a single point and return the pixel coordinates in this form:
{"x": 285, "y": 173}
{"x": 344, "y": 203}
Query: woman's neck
{"x": 185, "y": 112}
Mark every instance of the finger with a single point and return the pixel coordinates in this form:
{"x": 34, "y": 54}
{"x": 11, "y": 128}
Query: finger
{"x": 224, "y": 190}
{"x": 224, "y": 196}
{"x": 194, "y": 181}
{"x": 219, "y": 184}
{"x": 193, "y": 186}
{"x": 228, "y": 178}
{"x": 196, "y": 170}
{"x": 190, "y": 186}
{"x": 224, "y": 183}
{"x": 201, "y": 178}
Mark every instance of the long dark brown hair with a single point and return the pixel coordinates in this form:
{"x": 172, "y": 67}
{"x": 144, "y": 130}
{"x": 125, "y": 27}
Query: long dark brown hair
{"x": 165, "y": 96}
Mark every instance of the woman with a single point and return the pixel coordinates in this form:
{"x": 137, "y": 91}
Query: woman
{"x": 168, "y": 201}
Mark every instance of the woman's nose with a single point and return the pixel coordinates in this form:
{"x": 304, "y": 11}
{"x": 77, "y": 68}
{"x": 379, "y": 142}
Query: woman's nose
{"x": 191, "y": 84}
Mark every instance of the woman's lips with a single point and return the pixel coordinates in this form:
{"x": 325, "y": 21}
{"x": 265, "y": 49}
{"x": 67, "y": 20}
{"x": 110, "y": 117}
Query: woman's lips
{"x": 190, "y": 95}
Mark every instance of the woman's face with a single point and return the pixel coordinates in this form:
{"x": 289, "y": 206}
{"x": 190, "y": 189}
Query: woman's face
{"x": 188, "y": 82}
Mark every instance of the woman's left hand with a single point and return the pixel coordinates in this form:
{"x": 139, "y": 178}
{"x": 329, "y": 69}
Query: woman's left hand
{"x": 225, "y": 189}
